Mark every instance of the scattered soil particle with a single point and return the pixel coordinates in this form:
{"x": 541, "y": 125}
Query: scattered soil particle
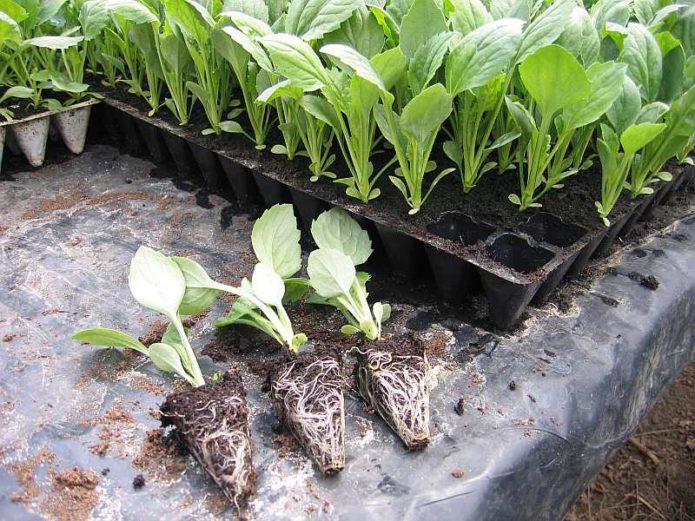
{"x": 138, "y": 482}
{"x": 154, "y": 333}
{"x": 74, "y": 497}
{"x": 25, "y": 473}
{"x": 161, "y": 456}
{"x": 115, "y": 433}
{"x": 9, "y": 337}
{"x": 458, "y": 473}
{"x": 459, "y": 408}
{"x": 287, "y": 444}
{"x": 649, "y": 281}
{"x": 512, "y": 385}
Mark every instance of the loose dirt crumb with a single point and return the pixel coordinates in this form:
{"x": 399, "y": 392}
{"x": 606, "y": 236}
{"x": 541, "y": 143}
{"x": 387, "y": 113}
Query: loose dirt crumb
{"x": 460, "y": 407}
{"x": 458, "y": 473}
{"x": 154, "y": 333}
{"x": 138, "y": 482}
{"x": 74, "y": 497}
{"x": 25, "y": 472}
{"x": 160, "y": 457}
{"x": 287, "y": 444}
{"x": 9, "y": 337}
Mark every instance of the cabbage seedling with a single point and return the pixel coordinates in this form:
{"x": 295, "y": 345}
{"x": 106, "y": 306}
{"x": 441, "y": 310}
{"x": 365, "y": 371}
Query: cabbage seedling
{"x": 342, "y": 246}
{"x": 157, "y": 283}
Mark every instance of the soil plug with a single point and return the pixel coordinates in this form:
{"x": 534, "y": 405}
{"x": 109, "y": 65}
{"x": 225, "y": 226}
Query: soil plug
{"x": 309, "y": 394}
{"x": 395, "y": 383}
{"x": 213, "y": 422}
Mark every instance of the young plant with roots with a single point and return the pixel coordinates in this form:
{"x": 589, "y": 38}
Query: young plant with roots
{"x": 309, "y": 392}
{"x": 212, "y": 418}
{"x": 342, "y": 246}
{"x": 396, "y": 385}
{"x": 213, "y": 422}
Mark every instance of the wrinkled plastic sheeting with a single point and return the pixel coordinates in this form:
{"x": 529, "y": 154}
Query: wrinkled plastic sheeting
{"x": 583, "y": 381}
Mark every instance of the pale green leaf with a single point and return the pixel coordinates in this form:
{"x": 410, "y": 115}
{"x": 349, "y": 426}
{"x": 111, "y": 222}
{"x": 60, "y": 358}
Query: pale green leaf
{"x": 311, "y": 19}
{"x": 336, "y": 230}
{"x": 638, "y": 136}
{"x": 267, "y": 285}
{"x": 426, "y": 112}
{"x": 331, "y": 273}
{"x": 423, "y": 20}
{"x": 642, "y": 55}
{"x": 468, "y": 15}
{"x": 275, "y": 240}
{"x": 296, "y": 60}
{"x": 102, "y": 336}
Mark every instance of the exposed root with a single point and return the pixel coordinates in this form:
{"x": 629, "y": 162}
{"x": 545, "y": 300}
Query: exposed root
{"x": 397, "y": 387}
{"x": 310, "y": 397}
{"x": 213, "y": 421}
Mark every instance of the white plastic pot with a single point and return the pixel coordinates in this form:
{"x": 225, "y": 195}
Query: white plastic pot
{"x": 31, "y": 136}
{"x": 72, "y": 126}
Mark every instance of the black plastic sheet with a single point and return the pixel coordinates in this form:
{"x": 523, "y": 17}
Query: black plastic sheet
{"x": 582, "y": 381}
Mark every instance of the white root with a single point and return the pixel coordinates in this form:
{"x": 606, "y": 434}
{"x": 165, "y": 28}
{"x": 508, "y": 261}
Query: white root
{"x": 313, "y": 407}
{"x": 221, "y": 443}
{"x": 397, "y": 387}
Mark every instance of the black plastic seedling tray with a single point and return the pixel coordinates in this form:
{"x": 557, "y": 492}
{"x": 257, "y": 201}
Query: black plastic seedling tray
{"x": 514, "y": 266}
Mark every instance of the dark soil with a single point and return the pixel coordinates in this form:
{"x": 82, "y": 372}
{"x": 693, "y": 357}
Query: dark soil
{"x": 212, "y": 421}
{"x": 653, "y": 477}
{"x": 308, "y": 392}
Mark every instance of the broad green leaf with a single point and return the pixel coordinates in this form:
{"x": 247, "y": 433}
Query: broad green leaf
{"x": 606, "y": 85}
{"x": 522, "y": 117}
{"x": 331, "y": 273}
{"x": 652, "y": 112}
{"x": 275, "y": 240}
{"x": 645, "y": 10}
{"x": 638, "y": 136}
{"x": 200, "y": 293}
{"x": 102, "y": 336}
{"x": 17, "y": 92}
{"x": 296, "y": 60}
{"x": 614, "y": 11}
{"x": 545, "y": 29}
{"x": 642, "y": 55}
{"x": 256, "y": 8}
{"x": 427, "y": 60}
{"x": 318, "y": 107}
{"x": 14, "y": 11}
{"x": 510, "y": 9}
{"x": 311, "y": 19}
{"x": 48, "y": 9}
{"x": 385, "y": 126}
{"x": 580, "y": 37}
{"x": 684, "y": 29}
{"x": 681, "y": 117}
{"x": 336, "y": 230}
{"x": 426, "y": 112}
{"x": 390, "y": 65}
{"x": 54, "y": 42}
{"x": 132, "y": 10}
{"x": 397, "y": 9}
{"x": 482, "y": 55}
{"x": 156, "y": 281}
{"x": 361, "y": 32}
{"x": 350, "y": 58}
{"x": 267, "y": 285}
{"x": 191, "y": 18}
{"x": 62, "y": 84}
{"x": 626, "y": 107}
{"x": 468, "y": 15}
{"x": 9, "y": 29}
{"x": 166, "y": 358}
{"x": 423, "y": 20}
{"x": 554, "y": 78}
{"x": 295, "y": 289}
{"x": 673, "y": 68}
{"x": 282, "y": 89}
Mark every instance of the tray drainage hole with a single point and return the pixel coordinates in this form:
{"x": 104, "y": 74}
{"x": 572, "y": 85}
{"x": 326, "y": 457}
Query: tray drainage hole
{"x": 457, "y": 226}
{"x": 516, "y": 253}
{"x": 546, "y": 227}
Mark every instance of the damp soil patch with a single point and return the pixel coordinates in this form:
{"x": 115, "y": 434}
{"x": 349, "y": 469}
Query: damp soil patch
{"x": 212, "y": 421}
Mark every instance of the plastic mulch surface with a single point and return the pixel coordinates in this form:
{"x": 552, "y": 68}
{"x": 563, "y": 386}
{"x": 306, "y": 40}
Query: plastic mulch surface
{"x": 520, "y": 423}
